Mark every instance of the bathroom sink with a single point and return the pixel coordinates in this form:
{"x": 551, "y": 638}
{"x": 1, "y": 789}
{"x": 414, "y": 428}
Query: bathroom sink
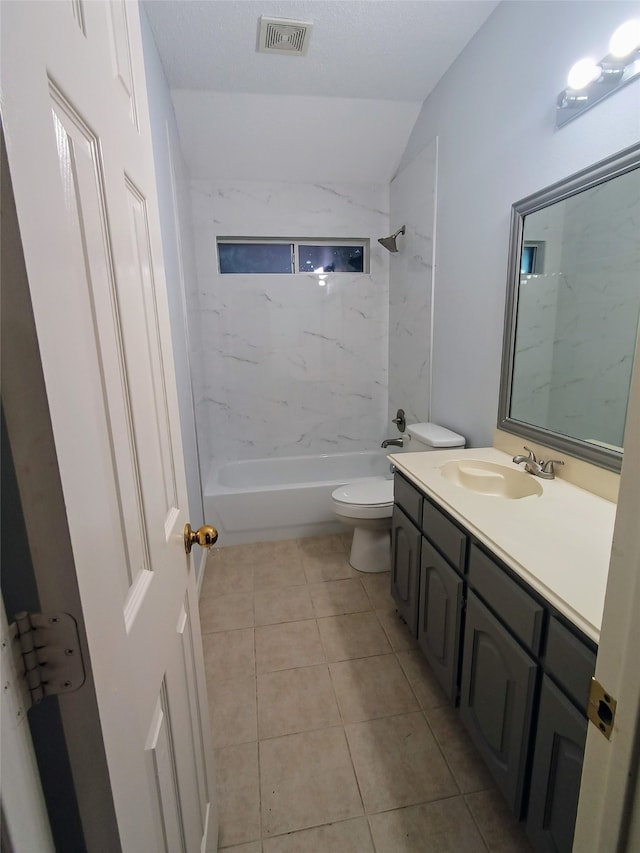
{"x": 490, "y": 478}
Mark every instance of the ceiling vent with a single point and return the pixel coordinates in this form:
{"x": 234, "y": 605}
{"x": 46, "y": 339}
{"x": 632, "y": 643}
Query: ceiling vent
{"x": 280, "y": 35}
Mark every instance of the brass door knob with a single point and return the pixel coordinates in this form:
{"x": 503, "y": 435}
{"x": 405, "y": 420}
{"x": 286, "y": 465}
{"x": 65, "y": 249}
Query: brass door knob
{"x": 204, "y": 536}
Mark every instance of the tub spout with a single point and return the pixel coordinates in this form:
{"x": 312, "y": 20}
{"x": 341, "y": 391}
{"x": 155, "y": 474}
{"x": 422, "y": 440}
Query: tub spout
{"x": 396, "y": 442}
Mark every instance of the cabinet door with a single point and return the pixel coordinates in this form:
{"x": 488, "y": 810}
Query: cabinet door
{"x": 405, "y": 567}
{"x": 497, "y": 691}
{"x": 439, "y": 617}
{"x": 557, "y": 768}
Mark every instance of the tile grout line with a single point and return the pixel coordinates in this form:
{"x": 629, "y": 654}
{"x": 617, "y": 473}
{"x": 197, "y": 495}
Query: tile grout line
{"x": 423, "y": 711}
{"x": 436, "y": 740}
{"x": 340, "y": 710}
{"x": 255, "y": 676}
{"x": 344, "y": 723}
{"x": 441, "y": 748}
{"x": 476, "y": 824}
{"x": 355, "y": 772}
{"x": 463, "y": 795}
{"x": 328, "y": 663}
{"x": 373, "y": 841}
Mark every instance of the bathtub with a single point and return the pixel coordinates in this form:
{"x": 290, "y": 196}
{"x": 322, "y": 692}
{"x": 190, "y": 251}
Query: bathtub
{"x": 263, "y": 499}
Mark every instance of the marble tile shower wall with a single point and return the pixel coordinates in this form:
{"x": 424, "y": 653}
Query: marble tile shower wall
{"x": 533, "y": 363}
{"x": 288, "y": 367}
{"x": 412, "y": 204}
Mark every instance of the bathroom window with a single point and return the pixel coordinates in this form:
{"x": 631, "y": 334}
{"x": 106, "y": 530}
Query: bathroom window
{"x": 314, "y": 257}
{"x": 532, "y": 258}
{"x": 254, "y": 257}
{"x": 273, "y": 255}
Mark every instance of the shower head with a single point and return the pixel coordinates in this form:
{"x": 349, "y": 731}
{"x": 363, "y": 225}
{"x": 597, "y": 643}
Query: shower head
{"x": 390, "y": 242}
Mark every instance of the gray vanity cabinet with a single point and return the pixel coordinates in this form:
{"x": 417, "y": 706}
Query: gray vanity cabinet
{"x": 557, "y": 768}
{"x": 405, "y": 567}
{"x": 439, "y": 617}
{"x": 521, "y": 670}
{"x": 448, "y": 538}
{"x": 561, "y": 733}
{"x": 496, "y": 698}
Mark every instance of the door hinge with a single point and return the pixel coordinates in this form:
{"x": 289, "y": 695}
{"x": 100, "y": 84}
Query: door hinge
{"x": 601, "y": 708}
{"x": 50, "y": 650}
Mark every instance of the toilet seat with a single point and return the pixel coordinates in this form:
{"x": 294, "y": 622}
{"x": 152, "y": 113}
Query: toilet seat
{"x": 372, "y": 498}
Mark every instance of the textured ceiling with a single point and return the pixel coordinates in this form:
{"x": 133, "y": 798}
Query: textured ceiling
{"x": 381, "y": 49}
{"x": 343, "y": 112}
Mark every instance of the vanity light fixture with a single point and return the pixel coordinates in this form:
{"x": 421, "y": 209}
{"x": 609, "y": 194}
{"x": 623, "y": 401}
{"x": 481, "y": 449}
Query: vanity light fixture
{"x": 625, "y": 40}
{"x": 590, "y": 81}
{"x": 585, "y": 71}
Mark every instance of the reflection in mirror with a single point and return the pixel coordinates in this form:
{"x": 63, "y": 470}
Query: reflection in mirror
{"x": 574, "y": 304}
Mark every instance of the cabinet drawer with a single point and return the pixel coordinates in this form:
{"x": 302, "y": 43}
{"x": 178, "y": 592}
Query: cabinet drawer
{"x": 408, "y": 498}
{"x": 445, "y": 535}
{"x": 518, "y": 610}
{"x": 570, "y": 662}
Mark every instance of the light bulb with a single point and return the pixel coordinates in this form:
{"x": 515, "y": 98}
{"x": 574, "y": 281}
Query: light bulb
{"x": 585, "y": 71}
{"x": 626, "y": 39}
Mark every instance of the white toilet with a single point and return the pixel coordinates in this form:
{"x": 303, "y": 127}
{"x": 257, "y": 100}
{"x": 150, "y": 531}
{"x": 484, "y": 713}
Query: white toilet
{"x": 367, "y": 505}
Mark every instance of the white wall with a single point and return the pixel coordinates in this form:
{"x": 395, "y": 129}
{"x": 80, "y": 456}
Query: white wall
{"x": 412, "y": 200}
{"x": 493, "y": 115}
{"x": 179, "y": 263}
{"x": 290, "y": 367}
{"x": 300, "y": 138}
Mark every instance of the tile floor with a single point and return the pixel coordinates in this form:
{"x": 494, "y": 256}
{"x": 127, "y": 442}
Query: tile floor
{"x": 331, "y": 735}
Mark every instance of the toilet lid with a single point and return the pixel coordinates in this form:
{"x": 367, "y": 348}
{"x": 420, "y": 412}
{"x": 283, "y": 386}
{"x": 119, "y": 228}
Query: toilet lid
{"x": 377, "y": 491}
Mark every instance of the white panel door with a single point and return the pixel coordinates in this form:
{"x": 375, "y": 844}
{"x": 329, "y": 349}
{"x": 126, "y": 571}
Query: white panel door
{"x": 77, "y": 130}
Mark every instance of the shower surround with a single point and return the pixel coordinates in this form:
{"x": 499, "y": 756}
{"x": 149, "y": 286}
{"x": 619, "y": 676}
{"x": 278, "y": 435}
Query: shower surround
{"x": 288, "y": 367}
{"x": 412, "y": 201}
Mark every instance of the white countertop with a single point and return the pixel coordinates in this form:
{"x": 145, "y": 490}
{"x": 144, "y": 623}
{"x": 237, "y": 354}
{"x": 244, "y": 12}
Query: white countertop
{"x": 558, "y": 542}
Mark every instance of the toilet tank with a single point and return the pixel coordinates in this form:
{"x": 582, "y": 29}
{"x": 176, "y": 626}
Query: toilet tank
{"x": 428, "y": 436}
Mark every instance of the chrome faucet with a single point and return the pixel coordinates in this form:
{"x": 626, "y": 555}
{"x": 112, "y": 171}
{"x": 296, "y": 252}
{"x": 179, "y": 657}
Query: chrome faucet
{"x": 548, "y": 471}
{"x": 530, "y": 458}
{"x": 396, "y": 442}
{"x": 539, "y": 468}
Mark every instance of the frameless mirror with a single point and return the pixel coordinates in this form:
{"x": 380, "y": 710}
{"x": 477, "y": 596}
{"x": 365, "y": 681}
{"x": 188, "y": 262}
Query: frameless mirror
{"x": 573, "y": 303}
